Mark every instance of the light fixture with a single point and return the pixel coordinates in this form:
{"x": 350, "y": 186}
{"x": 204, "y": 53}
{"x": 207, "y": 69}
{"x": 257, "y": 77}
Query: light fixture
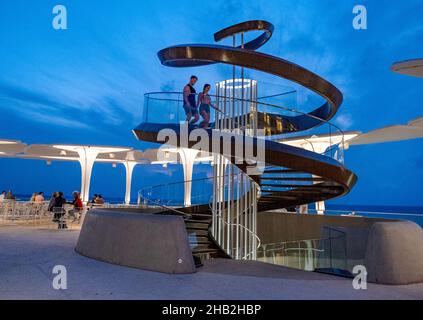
{"x": 164, "y": 165}
{"x": 48, "y": 162}
{"x": 237, "y": 83}
{"x": 167, "y": 154}
{"x": 114, "y": 165}
{"x": 112, "y": 155}
{"x": 63, "y": 153}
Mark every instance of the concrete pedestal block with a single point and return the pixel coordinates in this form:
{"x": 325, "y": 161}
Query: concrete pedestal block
{"x": 144, "y": 241}
{"x": 394, "y": 254}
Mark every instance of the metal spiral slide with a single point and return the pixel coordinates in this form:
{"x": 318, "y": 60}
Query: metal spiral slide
{"x": 292, "y": 176}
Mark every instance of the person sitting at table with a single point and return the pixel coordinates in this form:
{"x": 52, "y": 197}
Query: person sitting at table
{"x": 93, "y": 201}
{"x": 78, "y": 206}
{"x": 32, "y": 199}
{"x": 51, "y": 203}
{"x": 99, "y": 199}
{"x": 59, "y": 202}
{"x": 39, "y": 198}
{"x": 10, "y": 196}
{"x": 2, "y": 196}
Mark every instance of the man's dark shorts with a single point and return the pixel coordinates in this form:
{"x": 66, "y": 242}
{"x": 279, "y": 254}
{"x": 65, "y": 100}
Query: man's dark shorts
{"x": 188, "y": 109}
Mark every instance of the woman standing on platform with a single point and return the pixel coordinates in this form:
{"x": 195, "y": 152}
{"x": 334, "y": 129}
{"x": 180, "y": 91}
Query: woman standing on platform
{"x": 204, "y": 101}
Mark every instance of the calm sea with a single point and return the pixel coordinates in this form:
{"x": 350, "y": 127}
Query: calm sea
{"x": 412, "y": 213}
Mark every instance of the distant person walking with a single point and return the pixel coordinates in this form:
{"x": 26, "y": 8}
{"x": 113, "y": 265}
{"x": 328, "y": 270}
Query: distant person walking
{"x": 190, "y": 105}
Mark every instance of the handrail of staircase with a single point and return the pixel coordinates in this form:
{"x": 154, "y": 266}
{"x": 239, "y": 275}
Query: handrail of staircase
{"x": 236, "y": 224}
{"x": 187, "y": 215}
{"x": 141, "y": 191}
{"x": 327, "y": 121}
{"x": 245, "y": 228}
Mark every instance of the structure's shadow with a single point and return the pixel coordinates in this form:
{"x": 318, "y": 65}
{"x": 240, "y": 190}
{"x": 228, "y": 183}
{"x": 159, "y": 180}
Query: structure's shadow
{"x": 261, "y": 270}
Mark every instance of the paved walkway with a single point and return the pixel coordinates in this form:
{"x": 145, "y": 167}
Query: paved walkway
{"x": 28, "y": 255}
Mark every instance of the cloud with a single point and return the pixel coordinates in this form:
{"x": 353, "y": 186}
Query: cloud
{"x": 345, "y": 121}
{"x": 55, "y": 120}
{"x": 30, "y": 97}
{"x": 47, "y": 107}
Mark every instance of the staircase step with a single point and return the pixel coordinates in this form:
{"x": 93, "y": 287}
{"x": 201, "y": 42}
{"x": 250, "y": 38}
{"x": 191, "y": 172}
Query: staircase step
{"x": 205, "y": 250}
{"x": 197, "y": 225}
{"x": 294, "y": 179}
{"x": 201, "y": 216}
{"x": 201, "y": 245}
{"x": 283, "y": 171}
{"x": 276, "y": 185}
{"x": 198, "y": 238}
{"x": 198, "y": 232}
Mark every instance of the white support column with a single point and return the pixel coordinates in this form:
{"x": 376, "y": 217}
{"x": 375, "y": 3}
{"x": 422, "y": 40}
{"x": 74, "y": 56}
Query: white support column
{"x": 129, "y": 169}
{"x": 303, "y": 209}
{"x": 188, "y": 158}
{"x": 87, "y": 157}
{"x": 320, "y": 207}
{"x": 320, "y": 148}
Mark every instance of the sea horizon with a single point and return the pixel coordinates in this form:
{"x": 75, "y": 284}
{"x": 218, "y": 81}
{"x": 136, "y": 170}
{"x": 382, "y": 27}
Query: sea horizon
{"x": 329, "y": 206}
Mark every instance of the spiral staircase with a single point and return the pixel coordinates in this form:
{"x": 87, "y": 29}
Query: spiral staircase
{"x": 291, "y": 176}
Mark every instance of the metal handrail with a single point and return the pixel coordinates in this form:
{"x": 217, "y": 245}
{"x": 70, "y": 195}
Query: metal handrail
{"x": 167, "y": 207}
{"x": 236, "y": 224}
{"x": 147, "y": 95}
{"x": 311, "y": 116}
{"x": 152, "y": 188}
{"x": 354, "y": 212}
{"x": 245, "y": 228}
{"x": 295, "y": 241}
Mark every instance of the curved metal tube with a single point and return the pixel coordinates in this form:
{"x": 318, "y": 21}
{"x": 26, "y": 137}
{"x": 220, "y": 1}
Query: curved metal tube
{"x": 194, "y": 55}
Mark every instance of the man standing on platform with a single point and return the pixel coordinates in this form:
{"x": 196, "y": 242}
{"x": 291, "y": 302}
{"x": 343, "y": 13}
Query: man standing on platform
{"x": 190, "y": 105}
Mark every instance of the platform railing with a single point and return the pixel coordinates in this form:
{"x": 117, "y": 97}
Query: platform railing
{"x": 274, "y": 121}
{"x": 13, "y": 210}
{"x": 166, "y": 196}
{"x": 414, "y": 217}
{"x": 326, "y": 253}
{"x": 172, "y": 194}
{"x": 283, "y": 122}
{"x": 30, "y": 213}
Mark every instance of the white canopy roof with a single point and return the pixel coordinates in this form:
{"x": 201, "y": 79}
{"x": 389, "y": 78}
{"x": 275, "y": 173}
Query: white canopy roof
{"x": 410, "y": 67}
{"x": 11, "y": 147}
{"x": 320, "y": 143}
{"x": 412, "y": 130}
{"x": 106, "y": 154}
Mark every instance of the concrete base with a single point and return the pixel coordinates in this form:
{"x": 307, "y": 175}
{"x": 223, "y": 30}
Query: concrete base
{"x": 394, "y": 254}
{"x": 144, "y": 241}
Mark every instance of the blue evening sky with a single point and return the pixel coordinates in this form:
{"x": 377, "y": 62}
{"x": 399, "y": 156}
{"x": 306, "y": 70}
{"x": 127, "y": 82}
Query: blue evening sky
{"x": 85, "y": 85}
